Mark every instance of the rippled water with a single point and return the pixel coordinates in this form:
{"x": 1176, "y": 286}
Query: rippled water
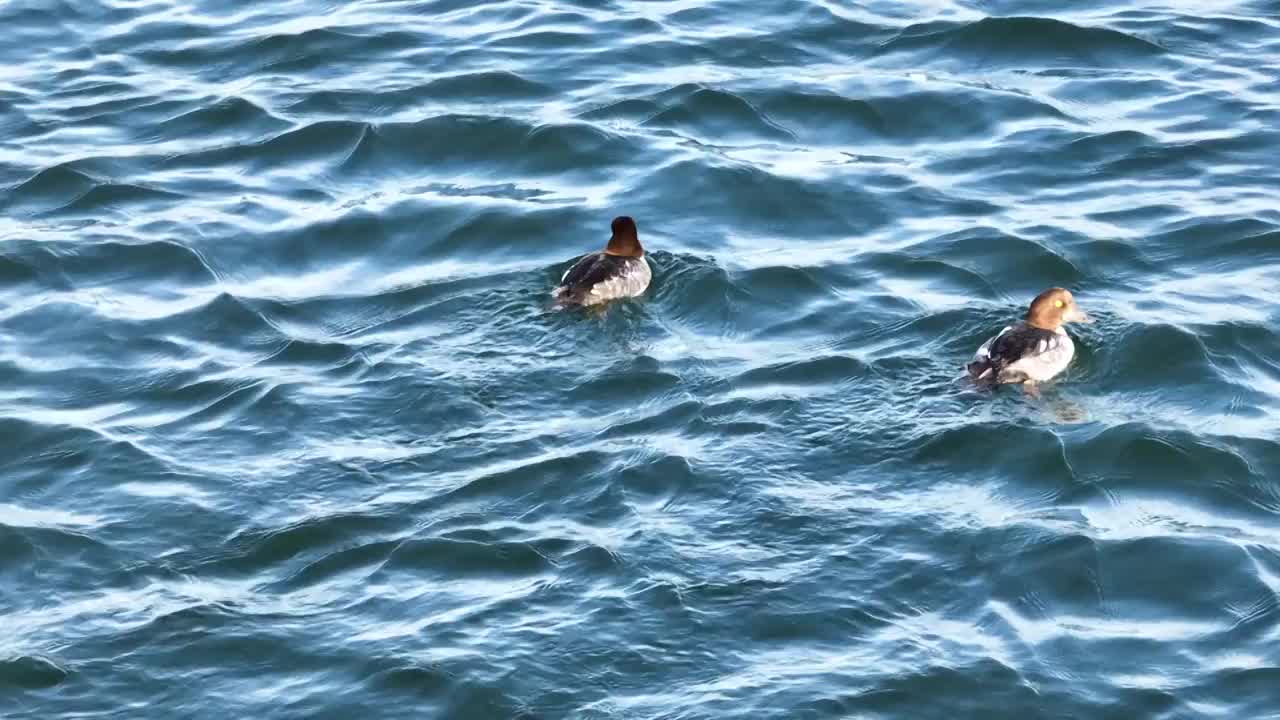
{"x": 290, "y": 429}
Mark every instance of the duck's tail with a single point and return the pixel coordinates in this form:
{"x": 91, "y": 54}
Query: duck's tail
{"x": 565, "y": 296}
{"x": 982, "y": 371}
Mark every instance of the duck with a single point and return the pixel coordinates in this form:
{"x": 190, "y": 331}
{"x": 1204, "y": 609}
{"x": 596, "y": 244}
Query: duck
{"x": 1035, "y": 350}
{"x": 618, "y": 271}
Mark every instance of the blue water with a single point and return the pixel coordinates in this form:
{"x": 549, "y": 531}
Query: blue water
{"x": 290, "y": 429}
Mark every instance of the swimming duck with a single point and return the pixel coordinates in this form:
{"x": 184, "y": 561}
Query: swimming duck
{"x": 620, "y": 270}
{"x": 1034, "y": 350}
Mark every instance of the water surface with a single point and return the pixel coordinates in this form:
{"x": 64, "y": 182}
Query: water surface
{"x": 290, "y": 430}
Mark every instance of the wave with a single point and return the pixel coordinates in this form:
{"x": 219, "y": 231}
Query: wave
{"x": 833, "y": 369}
{"x": 501, "y": 143}
{"x": 252, "y": 550}
{"x": 362, "y": 149}
{"x": 460, "y": 558}
{"x": 1020, "y": 41}
{"x": 718, "y": 115}
{"x": 467, "y": 87}
{"x": 281, "y": 385}
{"x": 31, "y": 673}
{"x": 66, "y": 190}
{"x": 491, "y": 85}
{"x": 1179, "y": 353}
{"x": 1196, "y": 468}
{"x": 330, "y": 140}
{"x": 51, "y": 187}
{"x": 281, "y": 52}
{"x": 955, "y": 112}
{"x": 235, "y": 116}
{"x": 980, "y": 260}
{"x": 14, "y": 123}
{"x": 765, "y": 201}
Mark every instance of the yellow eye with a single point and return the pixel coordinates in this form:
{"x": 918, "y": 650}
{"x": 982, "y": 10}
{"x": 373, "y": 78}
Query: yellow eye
{"x": 1057, "y": 303}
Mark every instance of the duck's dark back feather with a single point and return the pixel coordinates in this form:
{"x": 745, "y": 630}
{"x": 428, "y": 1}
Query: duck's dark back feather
{"x": 1008, "y": 348}
{"x": 587, "y": 272}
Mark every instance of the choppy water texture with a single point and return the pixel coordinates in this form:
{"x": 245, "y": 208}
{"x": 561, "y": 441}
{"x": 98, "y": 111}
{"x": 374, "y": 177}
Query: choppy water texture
{"x": 290, "y": 430}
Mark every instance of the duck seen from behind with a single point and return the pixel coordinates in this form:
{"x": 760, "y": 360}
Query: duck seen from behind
{"x": 1034, "y": 350}
{"x": 618, "y": 271}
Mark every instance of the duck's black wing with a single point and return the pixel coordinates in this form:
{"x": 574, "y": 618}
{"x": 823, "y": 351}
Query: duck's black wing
{"x": 587, "y": 273}
{"x": 1011, "y": 345}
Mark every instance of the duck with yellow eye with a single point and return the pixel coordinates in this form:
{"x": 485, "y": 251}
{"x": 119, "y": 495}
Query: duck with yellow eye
{"x": 1035, "y": 350}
